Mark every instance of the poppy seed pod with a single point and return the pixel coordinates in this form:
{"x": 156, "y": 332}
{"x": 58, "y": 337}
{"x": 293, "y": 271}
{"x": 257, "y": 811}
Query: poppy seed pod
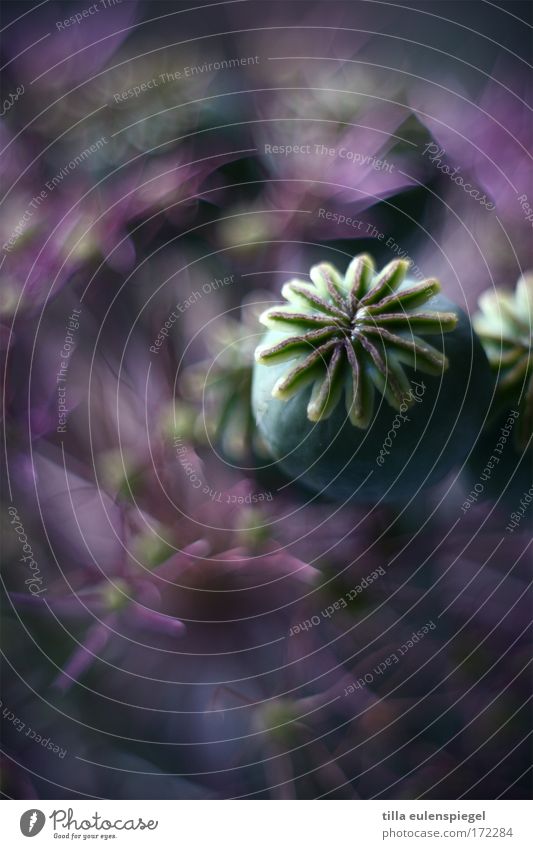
{"x": 501, "y": 465}
{"x": 367, "y": 386}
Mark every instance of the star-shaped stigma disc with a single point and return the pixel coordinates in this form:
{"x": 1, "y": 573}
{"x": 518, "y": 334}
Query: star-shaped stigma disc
{"x": 350, "y": 335}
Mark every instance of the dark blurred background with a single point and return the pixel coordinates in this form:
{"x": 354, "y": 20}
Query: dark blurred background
{"x": 165, "y": 168}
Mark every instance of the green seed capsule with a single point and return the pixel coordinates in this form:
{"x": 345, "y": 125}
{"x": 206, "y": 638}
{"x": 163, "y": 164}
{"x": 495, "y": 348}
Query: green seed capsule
{"x": 367, "y": 386}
